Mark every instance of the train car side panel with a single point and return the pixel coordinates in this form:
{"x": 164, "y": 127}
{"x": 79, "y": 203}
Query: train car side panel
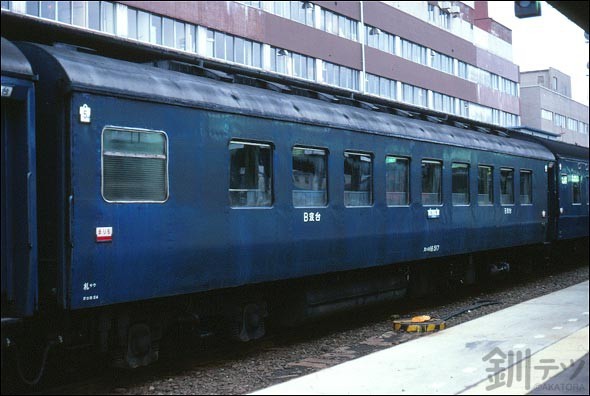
{"x": 19, "y": 206}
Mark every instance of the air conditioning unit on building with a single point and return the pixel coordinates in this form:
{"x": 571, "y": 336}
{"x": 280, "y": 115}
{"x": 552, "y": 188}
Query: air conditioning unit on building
{"x": 444, "y": 5}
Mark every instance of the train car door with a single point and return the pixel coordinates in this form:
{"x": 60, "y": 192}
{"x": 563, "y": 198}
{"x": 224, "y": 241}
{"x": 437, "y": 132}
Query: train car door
{"x": 553, "y": 202}
{"x": 18, "y": 216}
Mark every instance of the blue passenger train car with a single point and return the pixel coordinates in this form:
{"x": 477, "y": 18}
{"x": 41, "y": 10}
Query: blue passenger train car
{"x": 149, "y": 161}
{"x": 165, "y": 194}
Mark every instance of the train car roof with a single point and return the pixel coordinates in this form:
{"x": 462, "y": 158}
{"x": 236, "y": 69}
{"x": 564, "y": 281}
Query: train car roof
{"x": 14, "y": 63}
{"x": 560, "y": 149}
{"x": 89, "y": 72}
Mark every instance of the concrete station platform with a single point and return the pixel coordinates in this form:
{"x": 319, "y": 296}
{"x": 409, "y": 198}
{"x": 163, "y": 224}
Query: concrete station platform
{"x": 538, "y": 347}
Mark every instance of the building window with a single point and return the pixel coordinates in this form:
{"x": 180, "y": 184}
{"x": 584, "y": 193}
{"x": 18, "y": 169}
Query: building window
{"x": 94, "y": 15}
{"x": 397, "y": 180}
{"x": 496, "y": 79}
{"x": 280, "y": 61}
{"x": 155, "y": 29}
{"x": 462, "y": 70}
{"x": 554, "y": 83}
{"x": 572, "y": 124}
{"x": 439, "y": 17}
{"x": 233, "y": 49}
{"x": 310, "y": 169}
{"x": 338, "y": 24}
{"x": 298, "y": 11}
{"x": 442, "y": 62}
{"x": 526, "y": 187}
{"x": 379, "y": 39}
{"x": 559, "y": 120}
{"x": 180, "y": 39}
{"x": 380, "y": 86}
{"x": 414, "y": 95}
{"x": 358, "y": 179}
{"x": 64, "y": 12}
{"x": 250, "y": 180}
{"x": 303, "y": 67}
{"x": 414, "y": 52}
{"x": 79, "y": 9}
{"x": 340, "y": 76}
{"x": 431, "y": 182}
{"x": 460, "y": 182}
{"x": 506, "y": 186}
{"x": 132, "y": 23}
{"x": 48, "y": 10}
{"x": 302, "y": 13}
{"x": 546, "y": 115}
{"x": 485, "y": 185}
{"x": 292, "y": 64}
{"x": 134, "y": 165}
{"x": 168, "y": 32}
{"x": 443, "y": 103}
{"x": 463, "y": 108}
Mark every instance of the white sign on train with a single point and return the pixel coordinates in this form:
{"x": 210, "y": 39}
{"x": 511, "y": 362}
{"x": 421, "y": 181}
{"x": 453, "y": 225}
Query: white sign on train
{"x": 104, "y": 234}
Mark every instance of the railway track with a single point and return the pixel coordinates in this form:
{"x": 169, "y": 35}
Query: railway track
{"x": 215, "y": 366}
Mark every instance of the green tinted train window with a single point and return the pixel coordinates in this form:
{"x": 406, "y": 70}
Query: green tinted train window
{"x": 506, "y": 186}
{"x": 134, "y": 165}
{"x": 460, "y": 181}
{"x": 526, "y": 187}
{"x": 431, "y": 182}
{"x": 358, "y": 179}
{"x": 397, "y": 180}
{"x": 310, "y": 169}
{"x": 250, "y": 174}
{"x": 485, "y": 185}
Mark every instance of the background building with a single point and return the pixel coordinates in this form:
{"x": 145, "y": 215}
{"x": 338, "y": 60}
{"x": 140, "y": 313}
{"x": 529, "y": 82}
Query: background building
{"x": 547, "y": 104}
{"x": 448, "y": 56}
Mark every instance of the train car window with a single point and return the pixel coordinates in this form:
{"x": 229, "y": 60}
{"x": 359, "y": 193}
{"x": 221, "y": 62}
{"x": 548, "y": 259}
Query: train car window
{"x": 526, "y": 187}
{"x": 358, "y": 179}
{"x": 460, "y": 182}
{"x": 134, "y": 165}
{"x": 506, "y": 186}
{"x": 431, "y": 182}
{"x": 310, "y": 169}
{"x": 250, "y": 174}
{"x": 485, "y": 185}
{"x": 576, "y": 190}
{"x": 397, "y": 180}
